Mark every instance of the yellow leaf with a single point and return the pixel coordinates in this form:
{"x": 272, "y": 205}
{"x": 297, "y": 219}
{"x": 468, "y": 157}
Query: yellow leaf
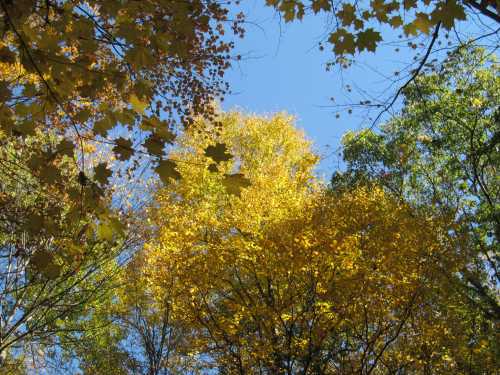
{"x": 105, "y": 231}
{"x": 137, "y": 105}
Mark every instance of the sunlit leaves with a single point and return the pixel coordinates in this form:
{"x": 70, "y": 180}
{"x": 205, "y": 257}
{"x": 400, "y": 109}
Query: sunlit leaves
{"x": 283, "y": 255}
{"x": 105, "y": 231}
{"x": 78, "y": 69}
{"x": 138, "y": 105}
{"x": 439, "y": 155}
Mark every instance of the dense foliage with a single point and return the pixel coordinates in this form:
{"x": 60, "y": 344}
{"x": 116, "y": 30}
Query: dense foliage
{"x": 442, "y": 154}
{"x": 286, "y": 278}
{"x": 142, "y": 231}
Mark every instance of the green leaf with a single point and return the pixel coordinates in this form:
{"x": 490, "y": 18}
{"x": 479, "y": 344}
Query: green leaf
{"x": 50, "y": 174}
{"x": 163, "y": 132}
{"x": 52, "y": 271}
{"x": 102, "y": 126}
{"x": 318, "y": 5}
{"x": 154, "y": 145}
{"x": 102, "y": 173}
{"x": 123, "y": 149}
{"x": 213, "y": 168}
{"x": 396, "y": 22}
{"x": 43, "y": 262}
{"x": 27, "y": 127}
{"x": 34, "y": 223}
{"x": 347, "y": 14}
{"x": 41, "y": 259}
{"x": 218, "y": 152}
{"x": 343, "y": 42}
{"x": 166, "y": 170}
{"x": 423, "y": 23}
{"x": 368, "y": 40}
{"x": 235, "y": 182}
{"x": 409, "y": 4}
{"x": 117, "y": 226}
{"x": 65, "y": 147}
{"x": 105, "y": 231}
{"x": 447, "y": 13}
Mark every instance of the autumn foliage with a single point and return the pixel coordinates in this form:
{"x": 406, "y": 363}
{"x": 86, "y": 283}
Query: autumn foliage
{"x": 143, "y": 230}
{"x": 284, "y": 277}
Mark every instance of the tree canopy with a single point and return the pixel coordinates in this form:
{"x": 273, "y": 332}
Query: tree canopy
{"x": 80, "y": 68}
{"x": 441, "y": 154}
{"x": 145, "y": 231}
{"x": 284, "y": 277}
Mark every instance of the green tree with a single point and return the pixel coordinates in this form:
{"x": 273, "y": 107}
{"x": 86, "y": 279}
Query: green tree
{"x": 441, "y": 153}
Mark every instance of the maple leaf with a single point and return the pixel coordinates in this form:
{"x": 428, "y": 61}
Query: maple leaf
{"x": 43, "y": 262}
{"x": 154, "y": 145}
{"x": 368, "y": 40}
{"x": 50, "y": 174}
{"x": 423, "y": 23}
{"x": 102, "y": 126}
{"x": 218, "y": 152}
{"x": 137, "y": 104}
{"x": 447, "y": 12}
{"x": 347, "y": 14}
{"x": 396, "y": 21}
{"x": 102, "y": 173}
{"x": 213, "y": 168}
{"x": 65, "y": 147}
{"x": 343, "y": 42}
{"x": 166, "y": 169}
{"x": 123, "y": 149}
{"x": 235, "y": 182}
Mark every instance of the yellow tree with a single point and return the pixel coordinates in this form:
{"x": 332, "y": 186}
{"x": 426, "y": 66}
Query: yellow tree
{"x": 277, "y": 276}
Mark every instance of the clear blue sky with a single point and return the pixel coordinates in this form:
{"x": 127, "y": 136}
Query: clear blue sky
{"x": 282, "y": 69}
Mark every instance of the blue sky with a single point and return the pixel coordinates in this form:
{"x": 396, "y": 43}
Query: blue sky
{"x": 282, "y": 69}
